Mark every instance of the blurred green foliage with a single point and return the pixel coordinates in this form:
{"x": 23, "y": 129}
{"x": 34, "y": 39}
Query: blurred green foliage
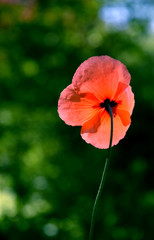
{"x": 48, "y": 175}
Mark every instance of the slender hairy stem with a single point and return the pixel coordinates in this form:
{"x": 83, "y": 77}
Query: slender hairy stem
{"x": 102, "y": 179}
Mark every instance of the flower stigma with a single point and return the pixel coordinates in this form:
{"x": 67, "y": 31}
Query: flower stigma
{"x": 108, "y": 102}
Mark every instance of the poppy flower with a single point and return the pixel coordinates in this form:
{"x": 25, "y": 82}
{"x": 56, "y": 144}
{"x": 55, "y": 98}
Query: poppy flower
{"x": 98, "y": 81}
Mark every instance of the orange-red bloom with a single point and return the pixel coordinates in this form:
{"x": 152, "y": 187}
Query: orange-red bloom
{"x": 96, "y": 82}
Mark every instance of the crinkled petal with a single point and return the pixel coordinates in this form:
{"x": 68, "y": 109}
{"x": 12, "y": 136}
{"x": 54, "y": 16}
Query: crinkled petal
{"x": 93, "y": 124}
{"x": 124, "y": 116}
{"x": 124, "y": 75}
{"x": 100, "y": 75}
{"x": 97, "y": 132}
{"x": 119, "y": 129}
{"x": 121, "y": 87}
{"x": 75, "y": 109}
{"x": 126, "y": 100}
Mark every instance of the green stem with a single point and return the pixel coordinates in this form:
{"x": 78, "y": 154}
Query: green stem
{"x": 102, "y": 179}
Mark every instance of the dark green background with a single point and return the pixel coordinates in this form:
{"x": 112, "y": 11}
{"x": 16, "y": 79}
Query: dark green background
{"x": 49, "y": 175}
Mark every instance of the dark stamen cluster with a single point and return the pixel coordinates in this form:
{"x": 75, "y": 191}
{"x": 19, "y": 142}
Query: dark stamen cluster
{"x": 106, "y": 102}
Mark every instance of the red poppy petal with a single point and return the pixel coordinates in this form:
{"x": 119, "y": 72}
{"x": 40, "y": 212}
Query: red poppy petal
{"x": 126, "y": 100}
{"x": 100, "y": 76}
{"x": 124, "y": 75}
{"x": 119, "y": 129}
{"x": 93, "y": 124}
{"x": 100, "y": 137}
{"x": 124, "y": 116}
{"x": 97, "y": 130}
{"x": 75, "y": 109}
{"x": 121, "y": 87}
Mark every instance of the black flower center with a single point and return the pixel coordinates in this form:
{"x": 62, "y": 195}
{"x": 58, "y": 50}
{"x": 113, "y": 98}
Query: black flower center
{"x": 106, "y": 102}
